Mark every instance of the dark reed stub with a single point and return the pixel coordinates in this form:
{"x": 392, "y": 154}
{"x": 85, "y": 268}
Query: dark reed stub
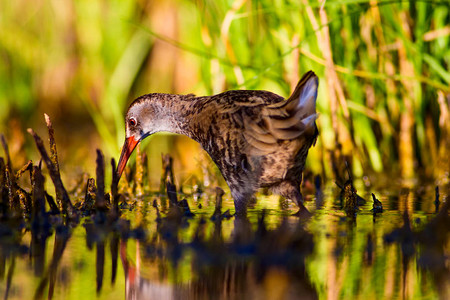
{"x": 184, "y": 205}
{"x": 101, "y": 204}
{"x": 52, "y": 142}
{"x": 4, "y": 205}
{"x": 167, "y": 174}
{"x": 436, "y": 199}
{"x": 9, "y": 176}
{"x": 377, "y": 205}
{"x": 60, "y": 190}
{"x": 114, "y": 189}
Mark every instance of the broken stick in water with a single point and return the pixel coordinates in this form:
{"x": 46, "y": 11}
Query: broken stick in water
{"x": 377, "y": 205}
{"x": 60, "y": 190}
{"x": 4, "y": 205}
{"x": 100, "y": 172}
{"x": 37, "y": 186}
{"x": 8, "y": 173}
{"x": 52, "y": 142}
{"x": 167, "y": 172}
{"x": 114, "y": 189}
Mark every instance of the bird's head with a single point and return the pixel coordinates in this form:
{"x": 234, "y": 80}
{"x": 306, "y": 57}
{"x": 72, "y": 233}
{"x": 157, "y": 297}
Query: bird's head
{"x": 139, "y": 123}
{"x": 149, "y": 114}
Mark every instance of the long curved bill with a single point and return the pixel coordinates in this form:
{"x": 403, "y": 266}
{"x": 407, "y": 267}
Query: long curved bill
{"x": 127, "y": 149}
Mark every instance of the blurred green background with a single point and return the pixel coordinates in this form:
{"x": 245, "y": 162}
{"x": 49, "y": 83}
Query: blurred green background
{"x": 383, "y": 68}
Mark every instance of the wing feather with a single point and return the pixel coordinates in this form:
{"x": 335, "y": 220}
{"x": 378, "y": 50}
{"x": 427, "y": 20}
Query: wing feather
{"x": 267, "y": 126}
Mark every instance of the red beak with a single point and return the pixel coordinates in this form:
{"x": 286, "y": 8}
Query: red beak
{"x": 127, "y": 149}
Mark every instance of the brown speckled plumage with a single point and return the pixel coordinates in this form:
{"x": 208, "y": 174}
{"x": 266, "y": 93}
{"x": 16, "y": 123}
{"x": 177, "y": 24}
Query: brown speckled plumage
{"x": 256, "y": 138}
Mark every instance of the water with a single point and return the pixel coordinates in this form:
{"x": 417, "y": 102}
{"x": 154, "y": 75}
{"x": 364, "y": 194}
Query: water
{"x": 401, "y": 253}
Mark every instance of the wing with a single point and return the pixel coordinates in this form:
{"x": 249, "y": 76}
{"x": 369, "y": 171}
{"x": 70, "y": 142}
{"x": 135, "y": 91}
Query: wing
{"x": 268, "y": 125}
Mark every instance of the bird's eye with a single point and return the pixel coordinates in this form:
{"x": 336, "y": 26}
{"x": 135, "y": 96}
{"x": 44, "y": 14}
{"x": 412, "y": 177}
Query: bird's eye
{"x": 132, "y": 122}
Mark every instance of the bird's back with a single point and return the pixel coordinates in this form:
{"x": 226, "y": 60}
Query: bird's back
{"x": 258, "y": 134}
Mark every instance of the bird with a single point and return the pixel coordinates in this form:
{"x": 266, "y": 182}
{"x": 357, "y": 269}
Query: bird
{"x": 256, "y": 138}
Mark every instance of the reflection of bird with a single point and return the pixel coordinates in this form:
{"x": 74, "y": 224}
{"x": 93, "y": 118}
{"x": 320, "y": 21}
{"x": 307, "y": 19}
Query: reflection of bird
{"x": 256, "y": 138}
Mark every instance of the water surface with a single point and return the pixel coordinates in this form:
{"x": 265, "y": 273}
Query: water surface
{"x": 401, "y": 253}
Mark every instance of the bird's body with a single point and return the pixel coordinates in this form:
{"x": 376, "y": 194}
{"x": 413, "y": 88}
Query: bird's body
{"x": 256, "y": 138}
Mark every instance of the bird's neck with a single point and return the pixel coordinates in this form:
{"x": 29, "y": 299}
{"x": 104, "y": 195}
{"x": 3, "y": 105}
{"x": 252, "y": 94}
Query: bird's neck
{"x": 179, "y": 114}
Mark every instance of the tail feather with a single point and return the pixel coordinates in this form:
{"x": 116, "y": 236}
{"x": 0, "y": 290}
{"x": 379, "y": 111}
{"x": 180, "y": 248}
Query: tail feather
{"x": 304, "y": 96}
{"x": 287, "y": 120}
{"x": 298, "y": 112}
